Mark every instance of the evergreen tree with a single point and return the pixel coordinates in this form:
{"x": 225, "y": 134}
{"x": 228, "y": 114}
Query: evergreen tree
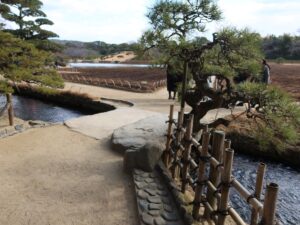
{"x": 29, "y": 18}
{"x": 172, "y": 23}
{"x": 21, "y": 61}
{"x": 232, "y": 55}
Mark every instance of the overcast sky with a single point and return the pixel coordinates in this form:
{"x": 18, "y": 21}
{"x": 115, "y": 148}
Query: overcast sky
{"x": 118, "y": 21}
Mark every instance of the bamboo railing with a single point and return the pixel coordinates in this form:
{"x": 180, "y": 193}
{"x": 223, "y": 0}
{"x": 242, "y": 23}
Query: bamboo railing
{"x": 139, "y": 86}
{"x": 211, "y": 190}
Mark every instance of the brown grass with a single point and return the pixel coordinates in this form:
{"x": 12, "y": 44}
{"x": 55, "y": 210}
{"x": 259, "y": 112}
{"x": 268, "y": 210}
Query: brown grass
{"x": 131, "y": 74}
{"x": 287, "y": 76}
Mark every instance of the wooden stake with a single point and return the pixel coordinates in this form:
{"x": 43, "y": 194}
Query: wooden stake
{"x": 201, "y": 174}
{"x": 258, "y": 190}
{"x": 214, "y": 174}
{"x": 175, "y": 168}
{"x": 169, "y": 138}
{"x": 10, "y": 109}
{"x": 187, "y": 153}
{"x": 269, "y": 210}
{"x": 226, "y": 177}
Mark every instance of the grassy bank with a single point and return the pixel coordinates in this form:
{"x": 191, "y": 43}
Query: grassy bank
{"x": 64, "y": 98}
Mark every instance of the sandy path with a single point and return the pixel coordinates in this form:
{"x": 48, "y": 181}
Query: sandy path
{"x": 157, "y": 101}
{"x": 56, "y": 176}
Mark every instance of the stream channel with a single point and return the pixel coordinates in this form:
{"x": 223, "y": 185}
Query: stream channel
{"x": 288, "y": 179}
{"x": 33, "y": 109}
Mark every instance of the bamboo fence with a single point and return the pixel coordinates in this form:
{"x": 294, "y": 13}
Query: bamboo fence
{"x": 211, "y": 190}
{"x": 139, "y": 86}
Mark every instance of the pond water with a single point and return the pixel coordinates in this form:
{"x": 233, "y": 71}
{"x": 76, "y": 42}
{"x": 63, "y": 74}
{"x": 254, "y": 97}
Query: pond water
{"x": 288, "y": 179}
{"x": 33, "y": 109}
{"x": 106, "y": 65}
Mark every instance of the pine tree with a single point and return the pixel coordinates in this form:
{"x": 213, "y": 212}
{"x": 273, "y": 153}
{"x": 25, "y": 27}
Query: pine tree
{"x": 30, "y": 19}
{"x": 21, "y": 61}
{"x": 232, "y": 55}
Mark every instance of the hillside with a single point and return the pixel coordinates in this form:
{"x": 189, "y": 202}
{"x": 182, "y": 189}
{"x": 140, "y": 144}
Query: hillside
{"x": 92, "y": 50}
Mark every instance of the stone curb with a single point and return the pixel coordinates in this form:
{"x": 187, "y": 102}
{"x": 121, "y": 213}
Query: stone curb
{"x": 155, "y": 203}
{"x": 19, "y": 128}
{"x": 177, "y": 195}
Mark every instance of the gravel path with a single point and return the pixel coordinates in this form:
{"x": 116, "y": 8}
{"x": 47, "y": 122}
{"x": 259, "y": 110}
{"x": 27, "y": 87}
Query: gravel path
{"x": 56, "y": 176}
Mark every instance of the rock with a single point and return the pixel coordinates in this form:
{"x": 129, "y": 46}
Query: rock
{"x": 147, "y": 219}
{"x": 134, "y": 136}
{"x": 148, "y": 156}
{"x": 170, "y": 216}
{"x": 159, "y": 221}
{"x": 142, "y": 143}
{"x": 154, "y": 199}
{"x": 37, "y": 123}
{"x": 129, "y": 161}
{"x": 153, "y": 206}
{"x": 144, "y": 158}
{"x": 19, "y": 127}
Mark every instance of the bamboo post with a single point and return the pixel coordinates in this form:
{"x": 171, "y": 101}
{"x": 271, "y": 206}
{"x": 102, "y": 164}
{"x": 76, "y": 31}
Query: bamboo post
{"x": 269, "y": 209}
{"x": 175, "y": 168}
{"x": 227, "y": 144}
{"x": 187, "y": 152}
{"x": 10, "y": 109}
{"x": 226, "y": 177}
{"x": 201, "y": 174}
{"x": 169, "y": 138}
{"x": 258, "y": 190}
{"x": 214, "y": 174}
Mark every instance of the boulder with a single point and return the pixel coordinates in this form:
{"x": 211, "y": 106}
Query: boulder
{"x": 142, "y": 142}
{"x": 136, "y": 135}
{"x": 144, "y": 158}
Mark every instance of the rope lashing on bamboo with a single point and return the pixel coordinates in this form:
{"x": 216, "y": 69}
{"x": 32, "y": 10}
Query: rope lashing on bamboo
{"x": 249, "y": 198}
{"x": 202, "y": 182}
{"x": 219, "y": 165}
{"x": 219, "y": 212}
{"x": 171, "y": 121}
{"x": 205, "y": 159}
{"x": 220, "y": 185}
{"x": 194, "y": 169}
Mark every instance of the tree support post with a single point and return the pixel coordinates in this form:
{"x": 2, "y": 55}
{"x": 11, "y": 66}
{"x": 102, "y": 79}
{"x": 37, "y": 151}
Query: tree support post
{"x": 10, "y": 109}
{"x": 176, "y": 168}
{"x": 169, "y": 138}
{"x": 184, "y": 82}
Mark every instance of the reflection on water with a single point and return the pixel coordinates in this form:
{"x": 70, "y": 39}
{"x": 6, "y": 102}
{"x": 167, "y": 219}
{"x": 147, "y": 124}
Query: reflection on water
{"x": 106, "y": 65}
{"x": 32, "y": 109}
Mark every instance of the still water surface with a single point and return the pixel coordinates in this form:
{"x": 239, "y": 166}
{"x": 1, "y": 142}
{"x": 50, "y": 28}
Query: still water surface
{"x": 32, "y": 109}
{"x": 106, "y": 65}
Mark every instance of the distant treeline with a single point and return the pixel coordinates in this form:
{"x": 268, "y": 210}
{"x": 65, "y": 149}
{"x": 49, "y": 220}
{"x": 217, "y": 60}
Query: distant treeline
{"x": 282, "y": 47}
{"x": 275, "y": 47}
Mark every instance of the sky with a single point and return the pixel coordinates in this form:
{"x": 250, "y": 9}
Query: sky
{"x": 123, "y": 21}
